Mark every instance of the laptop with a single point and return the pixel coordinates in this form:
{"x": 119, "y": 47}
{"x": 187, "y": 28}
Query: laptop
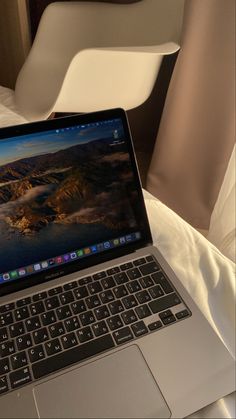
{"x": 93, "y": 321}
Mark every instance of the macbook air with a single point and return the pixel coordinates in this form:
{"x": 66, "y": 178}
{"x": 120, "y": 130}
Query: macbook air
{"x": 93, "y": 321}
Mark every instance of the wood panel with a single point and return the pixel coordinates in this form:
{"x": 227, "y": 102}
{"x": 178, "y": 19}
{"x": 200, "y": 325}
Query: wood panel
{"x": 14, "y": 39}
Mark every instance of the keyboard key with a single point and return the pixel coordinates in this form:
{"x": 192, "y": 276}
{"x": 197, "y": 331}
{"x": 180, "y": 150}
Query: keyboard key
{"x": 126, "y": 266}
{"x": 114, "y": 322}
{"x": 106, "y": 296}
{"x": 3, "y": 385}
{"x": 78, "y": 307}
{"x": 169, "y": 320}
{"x": 19, "y": 360}
{"x": 155, "y": 325}
{"x": 143, "y": 311}
{"x": 21, "y": 313}
{"x": 52, "y": 302}
{"x": 84, "y": 334}
{"x": 156, "y": 291}
{"x": 6, "y": 319}
{"x": 93, "y": 301}
{"x": 48, "y": 318}
{"x": 3, "y": 334}
{"x": 100, "y": 328}
{"x": 143, "y": 297}
{"x": 165, "y": 302}
{"x": 17, "y": 329}
{"x": 149, "y": 258}
{"x": 165, "y": 314}
{"x": 56, "y": 329}
{"x": 66, "y": 297}
{"x": 161, "y": 280}
{"x": 99, "y": 275}
{"x": 116, "y": 307}
{"x": 80, "y": 292}
{"x": 7, "y": 348}
{"x": 37, "y": 308}
{"x": 129, "y": 317}
{"x": 182, "y": 314}
{"x": 7, "y": 307}
{"x": 4, "y": 366}
{"x": 84, "y": 281}
{"x": 113, "y": 271}
{"x": 139, "y": 328}
{"x": 149, "y": 268}
{"x": 121, "y": 278}
{"x": 52, "y": 347}
{"x": 68, "y": 341}
{"x": 72, "y": 356}
{"x": 123, "y": 335}
{"x": 167, "y": 317}
{"x": 24, "y": 342}
{"x": 139, "y": 262}
{"x": 146, "y": 282}
{"x": 101, "y": 312}
{"x": 20, "y": 377}
{"x": 94, "y": 288}
{"x": 70, "y": 285}
{"x": 133, "y": 273}
{"x": 87, "y": 318}
{"x": 55, "y": 291}
{"x": 32, "y": 324}
{"x": 108, "y": 282}
{"x": 63, "y": 312}
{"x": 40, "y": 335}
{"x": 72, "y": 324}
{"x": 36, "y": 353}
{"x": 133, "y": 286}
{"x": 40, "y": 296}
{"x": 130, "y": 301}
{"x": 23, "y": 302}
{"x": 120, "y": 291}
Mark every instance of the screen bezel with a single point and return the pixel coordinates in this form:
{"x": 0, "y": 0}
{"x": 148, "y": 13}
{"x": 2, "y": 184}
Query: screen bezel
{"x": 79, "y": 264}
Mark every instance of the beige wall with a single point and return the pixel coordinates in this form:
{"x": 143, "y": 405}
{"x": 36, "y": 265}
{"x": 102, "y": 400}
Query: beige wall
{"x": 14, "y": 39}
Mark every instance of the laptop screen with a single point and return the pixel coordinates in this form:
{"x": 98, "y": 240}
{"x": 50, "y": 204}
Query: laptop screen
{"x": 68, "y": 192}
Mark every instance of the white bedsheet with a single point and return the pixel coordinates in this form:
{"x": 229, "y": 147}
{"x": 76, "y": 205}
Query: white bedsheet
{"x": 207, "y": 274}
{"x": 8, "y": 112}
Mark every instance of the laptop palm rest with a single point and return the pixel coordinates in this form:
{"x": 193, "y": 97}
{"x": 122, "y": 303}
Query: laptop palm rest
{"x": 119, "y": 385}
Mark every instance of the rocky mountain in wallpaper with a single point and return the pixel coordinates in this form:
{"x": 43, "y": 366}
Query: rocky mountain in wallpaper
{"x": 54, "y": 188}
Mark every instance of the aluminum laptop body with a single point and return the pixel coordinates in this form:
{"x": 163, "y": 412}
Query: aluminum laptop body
{"x": 93, "y": 321}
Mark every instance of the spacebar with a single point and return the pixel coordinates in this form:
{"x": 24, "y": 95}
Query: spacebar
{"x": 71, "y": 356}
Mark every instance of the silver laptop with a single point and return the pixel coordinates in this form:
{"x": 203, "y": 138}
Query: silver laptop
{"x": 93, "y": 321}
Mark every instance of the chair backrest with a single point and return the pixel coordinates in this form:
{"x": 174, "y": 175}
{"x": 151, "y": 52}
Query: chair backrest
{"x": 69, "y": 27}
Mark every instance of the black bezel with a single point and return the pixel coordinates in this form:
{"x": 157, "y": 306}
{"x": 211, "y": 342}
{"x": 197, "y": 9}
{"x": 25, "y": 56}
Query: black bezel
{"x": 79, "y": 264}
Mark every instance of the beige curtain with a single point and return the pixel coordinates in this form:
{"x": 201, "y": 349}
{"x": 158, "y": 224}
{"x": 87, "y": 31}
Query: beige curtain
{"x": 196, "y": 134}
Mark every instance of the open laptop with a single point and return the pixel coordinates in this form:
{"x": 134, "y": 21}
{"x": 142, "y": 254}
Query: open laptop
{"x": 93, "y": 321}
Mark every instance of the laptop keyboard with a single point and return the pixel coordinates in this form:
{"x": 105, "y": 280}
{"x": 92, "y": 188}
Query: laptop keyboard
{"x": 67, "y": 324}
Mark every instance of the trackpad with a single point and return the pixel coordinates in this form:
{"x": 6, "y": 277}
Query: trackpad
{"x": 119, "y": 385}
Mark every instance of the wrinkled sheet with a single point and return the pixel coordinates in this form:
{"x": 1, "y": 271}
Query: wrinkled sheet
{"x": 8, "y": 112}
{"x": 222, "y": 230}
{"x": 206, "y": 273}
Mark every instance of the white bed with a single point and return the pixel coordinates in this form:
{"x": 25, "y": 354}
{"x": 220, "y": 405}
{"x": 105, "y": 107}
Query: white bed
{"x": 208, "y": 275}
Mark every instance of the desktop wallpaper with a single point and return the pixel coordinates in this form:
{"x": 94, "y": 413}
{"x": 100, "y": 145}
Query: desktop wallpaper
{"x": 62, "y": 191}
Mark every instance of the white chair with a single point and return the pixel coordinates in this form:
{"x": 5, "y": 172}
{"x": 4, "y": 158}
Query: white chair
{"x": 80, "y": 61}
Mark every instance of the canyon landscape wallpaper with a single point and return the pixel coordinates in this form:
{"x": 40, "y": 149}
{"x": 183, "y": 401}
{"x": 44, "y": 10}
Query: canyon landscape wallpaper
{"x": 62, "y": 192}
